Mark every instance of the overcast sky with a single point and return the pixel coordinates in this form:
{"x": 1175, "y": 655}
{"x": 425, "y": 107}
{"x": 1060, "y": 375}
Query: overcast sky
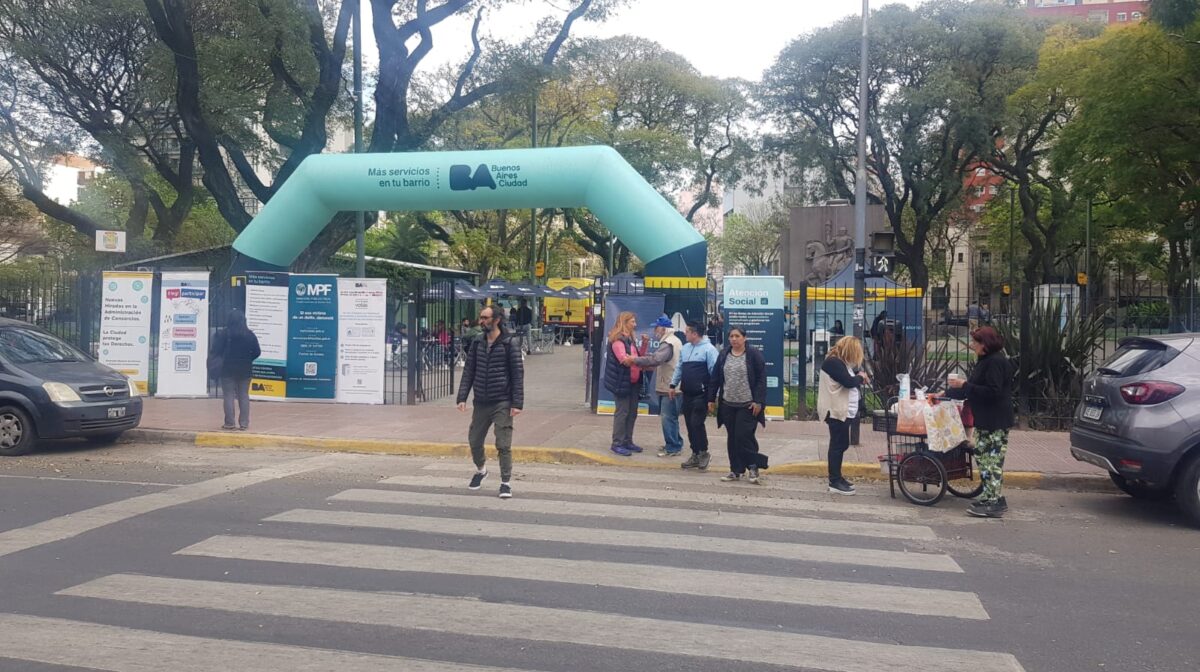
{"x": 723, "y": 38}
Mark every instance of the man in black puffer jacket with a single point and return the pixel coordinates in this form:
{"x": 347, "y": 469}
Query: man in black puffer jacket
{"x": 495, "y": 372}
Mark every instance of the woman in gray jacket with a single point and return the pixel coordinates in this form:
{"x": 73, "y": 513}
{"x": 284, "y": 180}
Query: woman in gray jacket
{"x": 837, "y": 403}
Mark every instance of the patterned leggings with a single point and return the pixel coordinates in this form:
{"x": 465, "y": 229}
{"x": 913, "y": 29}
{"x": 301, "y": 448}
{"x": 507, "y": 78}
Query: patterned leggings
{"x": 990, "y": 448}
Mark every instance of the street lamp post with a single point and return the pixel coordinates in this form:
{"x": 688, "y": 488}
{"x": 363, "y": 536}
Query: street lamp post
{"x": 860, "y": 189}
{"x": 360, "y": 227}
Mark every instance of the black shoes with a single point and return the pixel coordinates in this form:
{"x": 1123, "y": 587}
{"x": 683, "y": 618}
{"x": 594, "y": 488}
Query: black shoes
{"x": 505, "y": 491}
{"x": 477, "y": 479}
{"x": 841, "y": 487}
{"x": 995, "y": 509}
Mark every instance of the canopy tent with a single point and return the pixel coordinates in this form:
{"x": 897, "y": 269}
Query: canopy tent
{"x": 833, "y": 302}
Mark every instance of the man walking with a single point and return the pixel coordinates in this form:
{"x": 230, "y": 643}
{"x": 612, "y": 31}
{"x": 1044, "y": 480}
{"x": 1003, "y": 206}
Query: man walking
{"x": 523, "y": 318}
{"x": 494, "y": 371}
{"x": 696, "y": 362}
{"x": 664, "y": 360}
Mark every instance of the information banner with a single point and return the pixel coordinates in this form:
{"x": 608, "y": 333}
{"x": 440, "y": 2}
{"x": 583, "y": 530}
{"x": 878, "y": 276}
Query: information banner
{"x": 755, "y": 303}
{"x": 267, "y": 316}
{"x": 312, "y": 353}
{"x": 183, "y": 335}
{"x": 125, "y": 323}
{"x": 647, "y": 308}
{"x": 361, "y": 331}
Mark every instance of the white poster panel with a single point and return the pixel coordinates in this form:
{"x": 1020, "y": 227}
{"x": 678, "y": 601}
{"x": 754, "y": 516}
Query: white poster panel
{"x": 362, "y": 319}
{"x": 267, "y": 317}
{"x": 125, "y": 324}
{"x": 183, "y": 335}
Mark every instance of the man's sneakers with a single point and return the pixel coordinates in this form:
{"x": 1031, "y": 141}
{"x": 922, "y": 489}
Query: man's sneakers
{"x": 693, "y": 462}
{"x": 620, "y": 449}
{"x": 730, "y": 477}
{"x": 703, "y": 464}
{"x": 841, "y": 487}
{"x": 752, "y": 473}
{"x": 995, "y": 509}
{"x": 477, "y": 479}
{"x": 505, "y": 491}
{"x": 633, "y": 447}
{"x": 669, "y": 453}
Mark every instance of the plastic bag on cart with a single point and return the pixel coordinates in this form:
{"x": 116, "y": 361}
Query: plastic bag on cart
{"x": 943, "y": 427}
{"x": 910, "y": 416}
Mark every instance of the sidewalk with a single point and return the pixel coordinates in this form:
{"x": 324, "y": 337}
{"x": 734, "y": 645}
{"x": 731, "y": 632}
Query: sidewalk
{"x": 556, "y": 426}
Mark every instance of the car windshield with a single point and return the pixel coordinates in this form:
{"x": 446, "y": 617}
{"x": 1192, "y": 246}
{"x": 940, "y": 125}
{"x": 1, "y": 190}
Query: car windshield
{"x": 27, "y": 346}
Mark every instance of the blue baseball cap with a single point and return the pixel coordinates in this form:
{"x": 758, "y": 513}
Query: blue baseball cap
{"x": 664, "y": 321}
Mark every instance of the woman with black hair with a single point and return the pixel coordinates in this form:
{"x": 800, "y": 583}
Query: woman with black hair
{"x": 233, "y": 352}
{"x": 740, "y": 383}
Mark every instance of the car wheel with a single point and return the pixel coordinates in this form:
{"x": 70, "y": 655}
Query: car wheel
{"x": 1187, "y": 489}
{"x": 17, "y": 435}
{"x": 1140, "y": 489}
{"x": 103, "y": 439}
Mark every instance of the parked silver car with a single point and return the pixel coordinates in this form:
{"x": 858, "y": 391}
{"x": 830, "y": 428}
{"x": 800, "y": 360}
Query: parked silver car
{"x": 1140, "y": 419}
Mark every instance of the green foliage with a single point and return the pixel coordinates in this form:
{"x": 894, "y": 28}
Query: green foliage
{"x": 926, "y": 364}
{"x": 1063, "y": 341}
{"x": 1147, "y": 315}
{"x": 750, "y": 240}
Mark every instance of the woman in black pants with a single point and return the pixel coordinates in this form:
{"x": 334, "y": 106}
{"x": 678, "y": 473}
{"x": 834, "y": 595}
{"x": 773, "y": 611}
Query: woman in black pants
{"x": 740, "y": 382}
{"x": 837, "y": 403}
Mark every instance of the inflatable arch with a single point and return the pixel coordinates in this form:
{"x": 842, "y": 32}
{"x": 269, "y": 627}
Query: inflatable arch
{"x": 593, "y": 177}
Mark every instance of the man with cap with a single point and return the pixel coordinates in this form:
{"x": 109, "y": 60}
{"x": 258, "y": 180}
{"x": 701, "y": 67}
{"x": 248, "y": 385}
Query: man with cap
{"x": 663, "y": 360}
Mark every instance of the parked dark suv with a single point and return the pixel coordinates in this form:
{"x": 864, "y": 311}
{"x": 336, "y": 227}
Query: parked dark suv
{"x": 1140, "y": 419}
{"x": 50, "y": 390}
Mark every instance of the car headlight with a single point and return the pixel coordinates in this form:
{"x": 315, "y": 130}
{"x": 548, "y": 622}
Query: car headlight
{"x": 133, "y": 388}
{"x": 60, "y": 392}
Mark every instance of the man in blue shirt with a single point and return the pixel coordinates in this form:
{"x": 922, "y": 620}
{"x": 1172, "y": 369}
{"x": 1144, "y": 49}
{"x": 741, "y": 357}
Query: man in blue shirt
{"x": 696, "y": 363}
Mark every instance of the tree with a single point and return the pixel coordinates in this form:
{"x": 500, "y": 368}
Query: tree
{"x": 74, "y": 71}
{"x": 936, "y": 89}
{"x": 20, "y": 225}
{"x": 750, "y": 241}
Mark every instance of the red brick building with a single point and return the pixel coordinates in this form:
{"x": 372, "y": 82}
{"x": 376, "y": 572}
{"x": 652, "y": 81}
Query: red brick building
{"x": 1097, "y": 11}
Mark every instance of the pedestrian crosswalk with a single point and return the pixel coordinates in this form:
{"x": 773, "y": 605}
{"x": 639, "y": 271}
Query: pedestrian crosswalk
{"x": 625, "y": 573}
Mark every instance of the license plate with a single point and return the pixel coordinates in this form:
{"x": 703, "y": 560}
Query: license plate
{"x": 1092, "y": 412}
{"x": 118, "y": 412}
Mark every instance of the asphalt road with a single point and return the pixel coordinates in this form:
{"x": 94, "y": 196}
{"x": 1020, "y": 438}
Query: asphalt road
{"x": 145, "y": 557}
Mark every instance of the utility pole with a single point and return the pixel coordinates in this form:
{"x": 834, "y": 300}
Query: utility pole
{"x": 1087, "y": 260}
{"x": 1012, "y": 258}
{"x": 360, "y": 225}
{"x": 533, "y": 211}
{"x": 860, "y": 189}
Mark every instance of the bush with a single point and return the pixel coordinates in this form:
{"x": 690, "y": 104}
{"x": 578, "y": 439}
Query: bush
{"x": 1147, "y": 315}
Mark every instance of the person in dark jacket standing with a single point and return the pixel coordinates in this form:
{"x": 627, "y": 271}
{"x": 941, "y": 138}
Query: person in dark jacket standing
{"x": 739, "y": 382}
{"x": 990, "y": 394}
{"x": 693, "y": 377}
{"x": 495, "y": 373}
{"x": 623, "y": 378}
{"x": 235, "y": 348}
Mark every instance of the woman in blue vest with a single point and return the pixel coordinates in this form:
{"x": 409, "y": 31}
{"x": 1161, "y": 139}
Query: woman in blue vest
{"x": 623, "y": 378}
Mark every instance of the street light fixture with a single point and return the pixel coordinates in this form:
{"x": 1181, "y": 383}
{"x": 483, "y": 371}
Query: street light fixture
{"x": 860, "y": 188}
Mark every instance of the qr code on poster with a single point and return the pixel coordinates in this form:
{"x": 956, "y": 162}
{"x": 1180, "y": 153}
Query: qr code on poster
{"x": 183, "y": 363}
{"x": 310, "y": 368}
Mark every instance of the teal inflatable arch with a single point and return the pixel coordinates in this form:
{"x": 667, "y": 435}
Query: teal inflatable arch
{"x": 593, "y": 177}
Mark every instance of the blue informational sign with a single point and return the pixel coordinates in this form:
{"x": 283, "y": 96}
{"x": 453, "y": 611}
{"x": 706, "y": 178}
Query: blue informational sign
{"x": 755, "y": 303}
{"x": 312, "y": 337}
{"x": 647, "y": 308}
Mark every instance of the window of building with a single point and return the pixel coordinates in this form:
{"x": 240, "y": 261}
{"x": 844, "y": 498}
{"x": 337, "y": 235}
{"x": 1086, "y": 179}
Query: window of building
{"x": 1098, "y": 16}
{"x": 993, "y": 189}
{"x": 960, "y": 257}
{"x": 1137, "y": 16}
{"x": 979, "y": 191}
{"x": 981, "y": 172}
{"x": 1122, "y": 17}
{"x": 978, "y": 207}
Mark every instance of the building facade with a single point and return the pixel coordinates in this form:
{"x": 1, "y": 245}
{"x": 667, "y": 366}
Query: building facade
{"x": 1096, "y": 11}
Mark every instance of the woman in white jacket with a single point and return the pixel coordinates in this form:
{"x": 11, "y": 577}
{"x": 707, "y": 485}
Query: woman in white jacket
{"x": 837, "y": 403}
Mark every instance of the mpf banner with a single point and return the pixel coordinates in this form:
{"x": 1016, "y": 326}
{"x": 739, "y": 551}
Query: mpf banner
{"x": 755, "y": 303}
{"x": 312, "y": 337}
{"x": 362, "y": 320}
{"x": 267, "y": 316}
{"x": 183, "y": 335}
{"x": 125, "y": 325}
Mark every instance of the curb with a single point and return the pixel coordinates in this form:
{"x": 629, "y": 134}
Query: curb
{"x": 1027, "y": 480}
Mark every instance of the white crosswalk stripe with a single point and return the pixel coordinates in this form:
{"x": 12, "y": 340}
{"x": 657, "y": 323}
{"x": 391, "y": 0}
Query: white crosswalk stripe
{"x": 747, "y": 499}
{"x": 555, "y": 562}
{"x": 57, "y": 641}
{"x": 693, "y": 516}
{"x": 457, "y": 615}
{"x": 788, "y": 590}
{"x": 589, "y": 535}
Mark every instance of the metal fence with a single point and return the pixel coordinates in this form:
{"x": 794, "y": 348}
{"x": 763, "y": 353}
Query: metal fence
{"x": 63, "y": 301}
{"x": 1062, "y": 334}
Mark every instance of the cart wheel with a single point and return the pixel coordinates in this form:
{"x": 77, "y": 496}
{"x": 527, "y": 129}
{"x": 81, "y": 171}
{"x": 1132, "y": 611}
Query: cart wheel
{"x": 922, "y": 479}
{"x": 966, "y": 488}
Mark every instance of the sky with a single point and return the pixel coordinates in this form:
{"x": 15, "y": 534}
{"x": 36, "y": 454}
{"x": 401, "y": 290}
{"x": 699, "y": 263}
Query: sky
{"x": 722, "y": 38}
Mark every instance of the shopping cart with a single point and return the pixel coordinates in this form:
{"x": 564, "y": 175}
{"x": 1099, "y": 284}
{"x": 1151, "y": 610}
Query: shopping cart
{"x": 924, "y": 476}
